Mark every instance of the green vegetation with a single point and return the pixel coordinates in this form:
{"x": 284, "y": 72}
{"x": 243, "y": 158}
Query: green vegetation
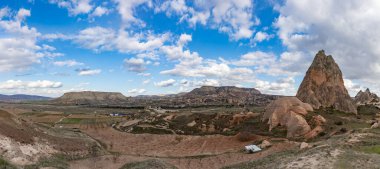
{"x": 5, "y": 165}
{"x": 368, "y": 110}
{"x": 152, "y": 130}
{"x": 71, "y": 121}
{"x": 151, "y": 164}
{"x": 375, "y": 149}
{"x": 263, "y": 163}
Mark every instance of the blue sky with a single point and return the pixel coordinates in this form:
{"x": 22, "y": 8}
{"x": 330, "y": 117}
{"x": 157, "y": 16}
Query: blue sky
{"x": 48, "y": 47}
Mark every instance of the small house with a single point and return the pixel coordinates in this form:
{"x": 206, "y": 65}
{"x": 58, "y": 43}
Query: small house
{"x": 252, "y": 149}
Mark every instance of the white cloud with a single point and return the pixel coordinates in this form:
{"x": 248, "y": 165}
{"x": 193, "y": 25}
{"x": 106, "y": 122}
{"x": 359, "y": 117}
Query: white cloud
{"x": 135, "y": 64}
{"x": 146, "y": 81}
{"x": 234, "y": 17}
{"x": 281, "y": 86}
{"x": 103, "y": 39}
{"x": 352, "y": 87}
{"x": 144, "y": 74}
{"x": 18, "y": 54}
{"x": 4, "y": 12}
{"x": 190, "y": 64}
{"x": 96, "y": 38}
{"x": 19, "y": 49}
{"x": 88, "y": 72}
{"x": 127, "y": 42}
{"x": 18, "y": 84}
{"x": 126, "y": 10}
{"x": 100, "y": 11}
{"x": 136, "y": 91}
{"x": 258, "y": 59}
{"x": 287, "y": 64}
{"x": 347, "y": 29}
{"x": 69, "y": 63}
{"x": 262, "y": 36}
{"x": 165, "y": 83}
{"x": 22, "y": 14}
{"x": 75, "y": 7}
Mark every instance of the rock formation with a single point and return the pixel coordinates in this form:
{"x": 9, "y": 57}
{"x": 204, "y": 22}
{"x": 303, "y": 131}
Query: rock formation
{"x": 288, "y": 112}
{"x": 223, "y": 91}
{"x": 91, "y": 98}
{"x": 366, "y": 97}
{"x": 323, "y": 85}
{"x": 210, "y": 95}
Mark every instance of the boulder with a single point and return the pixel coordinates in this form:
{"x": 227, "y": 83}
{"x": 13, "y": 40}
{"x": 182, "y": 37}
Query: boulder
{"x": 317, "y": 120}
{"x": 314, "y": 133}
{"x": 304, "y": 145}
{"x": 323, "y": 85}
{"x": 192, "y": 124}
{"x": 265, "y": 144}
{"x": 375, "y": 125}
{"x": 288, "y": 112}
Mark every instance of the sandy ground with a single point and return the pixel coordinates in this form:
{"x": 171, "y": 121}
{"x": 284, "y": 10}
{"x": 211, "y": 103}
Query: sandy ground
{"x": 184, "y": 152}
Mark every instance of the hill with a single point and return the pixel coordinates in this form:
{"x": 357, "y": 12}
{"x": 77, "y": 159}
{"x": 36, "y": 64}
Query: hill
{"x": 22, "y": 97}
{"x": 91, "y": 98}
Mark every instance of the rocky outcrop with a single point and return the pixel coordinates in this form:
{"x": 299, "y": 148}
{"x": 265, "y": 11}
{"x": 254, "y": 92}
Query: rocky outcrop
{"x": 323, "y": 85}
{"x": 240, "y": 118}
{"x": 288, "y": 112}
{"x": 91, "y": 98}
{"x": 366, "y": 97}
{"x": 223, "y": 91}
{"x": 208, "y": 96}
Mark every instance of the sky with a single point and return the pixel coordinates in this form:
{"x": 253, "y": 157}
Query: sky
{"x": 150, "y": 47}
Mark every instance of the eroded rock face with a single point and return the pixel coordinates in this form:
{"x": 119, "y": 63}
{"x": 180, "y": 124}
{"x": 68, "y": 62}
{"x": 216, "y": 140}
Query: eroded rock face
{"x": 289, "y": 112}
{"x": 366, "y": 97}
{"x": 323, "y": 85}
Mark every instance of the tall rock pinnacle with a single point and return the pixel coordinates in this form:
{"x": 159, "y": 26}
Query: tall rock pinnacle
{"x": 323, "y": 85}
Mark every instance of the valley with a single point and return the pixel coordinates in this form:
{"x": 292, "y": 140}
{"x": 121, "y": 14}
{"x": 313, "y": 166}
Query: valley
{"x": 205, "y": 128}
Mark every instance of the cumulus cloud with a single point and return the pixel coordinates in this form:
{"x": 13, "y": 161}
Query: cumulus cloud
{"x": 281, "y": 86}
{"x": 4, "y": 12}
{"x": 88, "y": 72}
{"x": 234, "y": 17}
{"x": 126, "y": 11}
{"x": 18, "y": 84}
{"x": 100, "y": 11}
{"x": 19, "y": 49}
{"x": 75, "y": 7}
{"x": 352, "y": 87}
{"x": 286, "y": 64}
{"x": 103, "y": 39}
{"x": 191, "y": 64}
{"x": 136, "y": 91}
{"x": 347, "y": 30}
{"x": 96, "y": 38}
{"x": 69, "y": 63}
{"x": 135, "y": 64}
{"x": 165, "y": 83}
{"x": 262, "y": 36}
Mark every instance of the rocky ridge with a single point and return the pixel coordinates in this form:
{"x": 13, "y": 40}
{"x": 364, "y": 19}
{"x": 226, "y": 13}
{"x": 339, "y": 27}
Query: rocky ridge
{"x": 366, "y": 97}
